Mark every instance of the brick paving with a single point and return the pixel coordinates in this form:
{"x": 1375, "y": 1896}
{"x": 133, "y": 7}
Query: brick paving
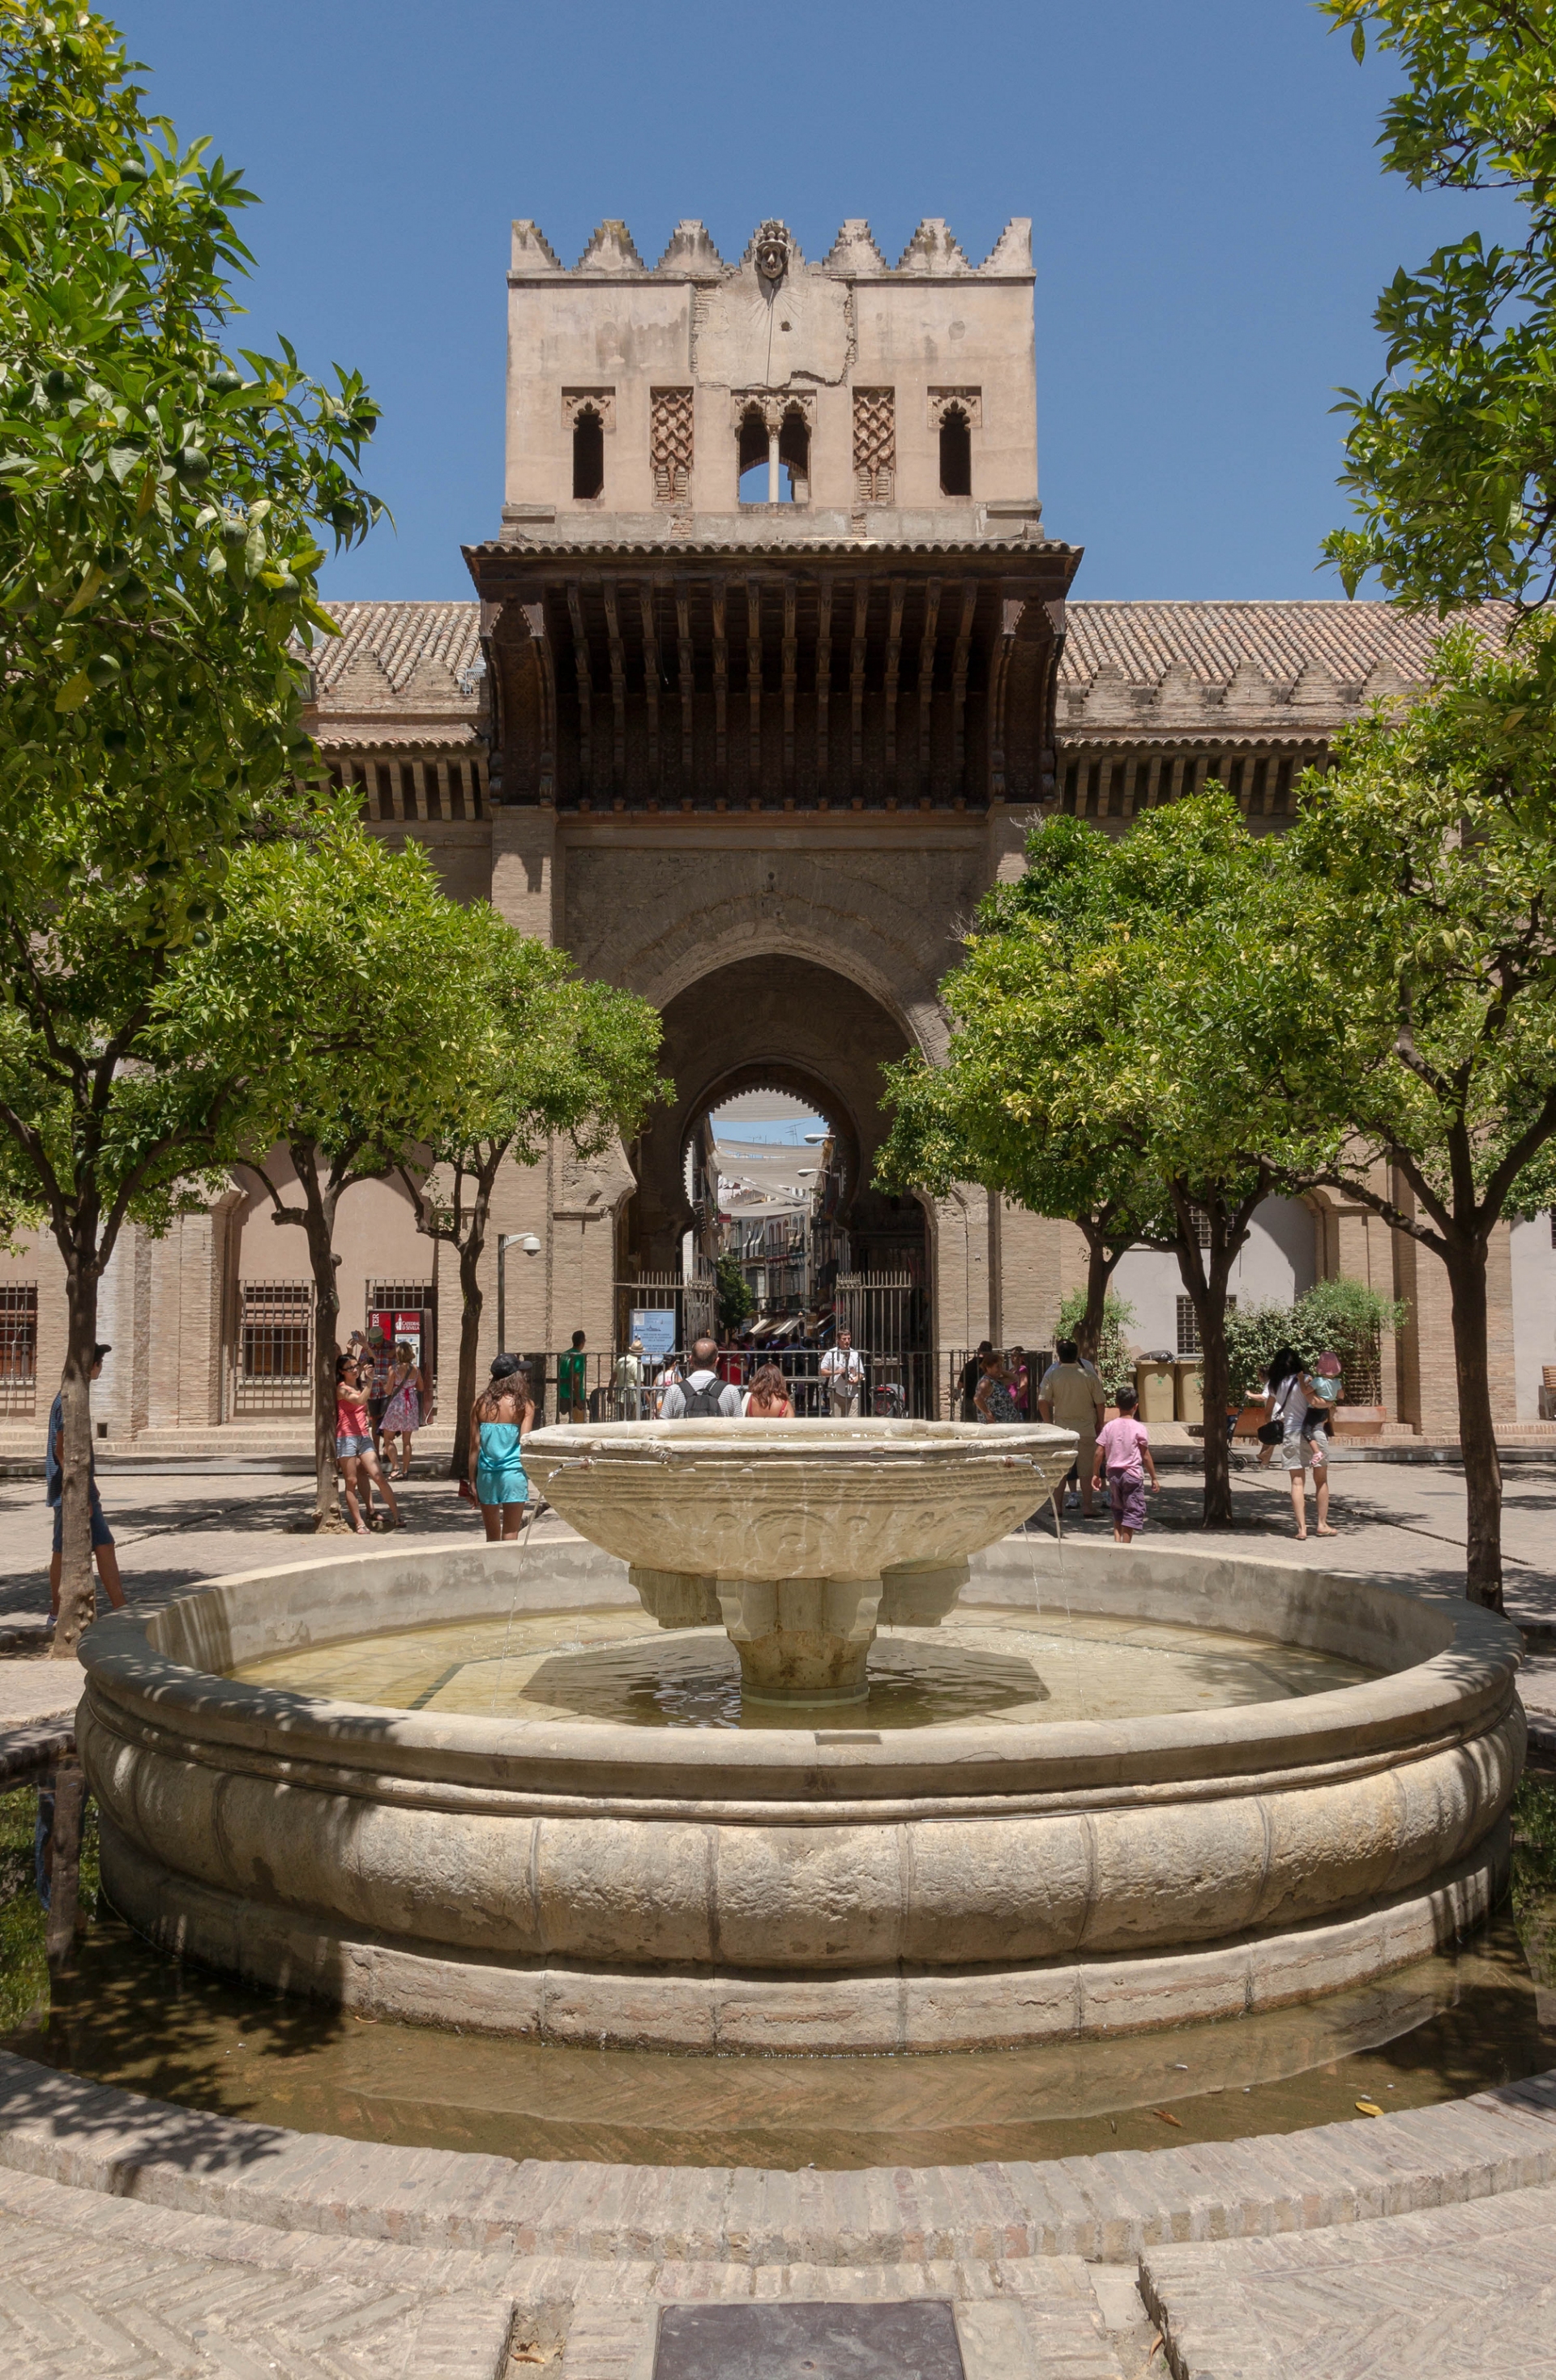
{"x": 306, "y": 2254}
{"x": 1463, "y": 2292}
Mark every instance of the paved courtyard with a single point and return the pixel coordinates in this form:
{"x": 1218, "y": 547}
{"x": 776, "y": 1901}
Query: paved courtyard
{"x": 139, "y": 2240}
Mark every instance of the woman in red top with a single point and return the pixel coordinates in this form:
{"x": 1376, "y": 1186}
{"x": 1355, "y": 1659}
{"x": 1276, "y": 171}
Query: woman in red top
{"x": 354, "y": 1447}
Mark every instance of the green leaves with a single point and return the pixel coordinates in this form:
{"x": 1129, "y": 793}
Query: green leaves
{"x": 1451, "y": 459}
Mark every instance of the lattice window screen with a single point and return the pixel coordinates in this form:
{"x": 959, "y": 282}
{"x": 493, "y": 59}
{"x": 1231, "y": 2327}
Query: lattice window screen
{"x": 670, "y": 443}
{"x": 875, "y": 444}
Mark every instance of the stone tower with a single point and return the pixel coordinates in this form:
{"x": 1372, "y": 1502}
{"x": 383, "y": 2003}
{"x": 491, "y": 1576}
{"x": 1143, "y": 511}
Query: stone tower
{"x": 772, "y": 630}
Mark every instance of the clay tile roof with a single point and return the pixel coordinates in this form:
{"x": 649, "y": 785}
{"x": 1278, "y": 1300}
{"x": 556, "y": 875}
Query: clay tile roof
{"x": 1142, "y": 641}
{"x": 399, "y": 637}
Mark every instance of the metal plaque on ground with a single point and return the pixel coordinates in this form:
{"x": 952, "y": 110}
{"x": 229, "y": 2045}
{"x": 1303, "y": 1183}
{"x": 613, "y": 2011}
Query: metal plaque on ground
{"x": 808, "y": 2342}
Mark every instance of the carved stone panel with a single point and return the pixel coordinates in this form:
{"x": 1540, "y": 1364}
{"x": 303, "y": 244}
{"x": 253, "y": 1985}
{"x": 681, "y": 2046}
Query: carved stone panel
{"x": 966, "y": 400}
{"x": 601, "y": 401}
{"x": 670, "y": 443}
{"x": 875, "y": 444}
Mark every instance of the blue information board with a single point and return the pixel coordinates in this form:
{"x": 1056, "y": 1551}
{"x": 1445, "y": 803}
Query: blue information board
{"x": 655, "y": 1325}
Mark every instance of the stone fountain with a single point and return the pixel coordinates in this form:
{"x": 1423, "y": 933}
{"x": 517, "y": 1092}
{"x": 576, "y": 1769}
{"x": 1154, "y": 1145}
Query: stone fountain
{"x": 802, "y": 1537}
{"x": 794, "y": 1883}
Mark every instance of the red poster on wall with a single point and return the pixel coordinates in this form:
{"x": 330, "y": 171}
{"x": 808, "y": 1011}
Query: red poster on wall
{"x": 408, "y": 1325}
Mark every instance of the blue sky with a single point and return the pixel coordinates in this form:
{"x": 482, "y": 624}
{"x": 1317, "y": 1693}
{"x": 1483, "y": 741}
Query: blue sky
{"x": 1211, "y": 226}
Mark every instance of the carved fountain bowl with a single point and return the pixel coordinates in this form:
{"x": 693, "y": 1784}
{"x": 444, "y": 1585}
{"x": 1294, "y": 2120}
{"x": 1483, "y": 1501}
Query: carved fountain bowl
{"x": 742, "y": 1499}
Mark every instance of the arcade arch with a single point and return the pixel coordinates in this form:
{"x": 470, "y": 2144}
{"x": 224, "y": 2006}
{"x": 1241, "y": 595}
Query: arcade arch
{"x": 774, "y": 1023}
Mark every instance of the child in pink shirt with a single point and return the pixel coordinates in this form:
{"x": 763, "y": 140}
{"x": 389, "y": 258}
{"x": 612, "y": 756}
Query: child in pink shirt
{"x": 1122, "y": 1447}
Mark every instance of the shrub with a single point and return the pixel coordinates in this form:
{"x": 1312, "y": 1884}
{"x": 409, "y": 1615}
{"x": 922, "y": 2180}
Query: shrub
{"x": 1344, "y": 1315}
{"x": 1115, "y": 1364}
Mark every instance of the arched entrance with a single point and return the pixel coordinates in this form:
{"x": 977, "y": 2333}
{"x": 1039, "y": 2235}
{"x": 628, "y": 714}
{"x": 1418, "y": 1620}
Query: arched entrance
{"x": 779, "y": 1023}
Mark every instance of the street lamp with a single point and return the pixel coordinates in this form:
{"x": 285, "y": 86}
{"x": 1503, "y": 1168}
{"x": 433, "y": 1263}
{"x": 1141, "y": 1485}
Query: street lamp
{"x": 506, "y": 1240}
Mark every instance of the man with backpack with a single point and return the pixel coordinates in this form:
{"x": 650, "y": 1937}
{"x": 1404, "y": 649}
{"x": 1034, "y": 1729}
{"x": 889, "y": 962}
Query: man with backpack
{"x": 703, "y": 1396}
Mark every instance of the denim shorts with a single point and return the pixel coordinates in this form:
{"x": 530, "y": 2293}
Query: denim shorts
{"x": 101, "y": 1535}
{"x": 345, "y": 1444}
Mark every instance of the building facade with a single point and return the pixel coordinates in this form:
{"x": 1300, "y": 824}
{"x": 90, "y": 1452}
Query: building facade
{"x": 769, "y": 665}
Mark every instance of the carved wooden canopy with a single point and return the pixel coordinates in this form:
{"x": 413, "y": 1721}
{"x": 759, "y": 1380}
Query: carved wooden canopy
{"x": 690, "y": 679}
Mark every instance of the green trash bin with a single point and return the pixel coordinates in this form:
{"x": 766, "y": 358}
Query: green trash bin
{"x": 1156, "y": 1388}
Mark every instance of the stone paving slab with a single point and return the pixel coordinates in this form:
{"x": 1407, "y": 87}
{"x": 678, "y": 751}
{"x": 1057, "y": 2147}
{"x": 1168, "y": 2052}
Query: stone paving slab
{"x": 92, "y": 2137}
{"x": 117, "y": 2312}
{"x": 1459, "y": 2291}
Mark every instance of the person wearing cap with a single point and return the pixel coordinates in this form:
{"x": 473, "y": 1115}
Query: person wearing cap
{"x": 53, "y": 1494}
{"x": 499, "y": 1419}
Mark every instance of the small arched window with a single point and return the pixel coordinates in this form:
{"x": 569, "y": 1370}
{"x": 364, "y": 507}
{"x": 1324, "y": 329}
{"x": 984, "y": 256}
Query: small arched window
{"x": 588, "y": 452}
{"x": 793, "y": 458}
{"x": 956, "y": 453}
{"x": 753, "y": 457}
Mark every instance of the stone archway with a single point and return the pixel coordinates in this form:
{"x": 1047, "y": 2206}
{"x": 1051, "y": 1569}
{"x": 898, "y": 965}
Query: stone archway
{"x": 774, "y": 1022}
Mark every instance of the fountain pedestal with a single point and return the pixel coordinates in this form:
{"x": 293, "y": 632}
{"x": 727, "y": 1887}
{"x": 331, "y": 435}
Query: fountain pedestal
{"x": 801, "y": 1640}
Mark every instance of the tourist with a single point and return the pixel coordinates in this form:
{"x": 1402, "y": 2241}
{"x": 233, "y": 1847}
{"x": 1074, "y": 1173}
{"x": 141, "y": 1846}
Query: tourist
{"x": 374, "y": 1377}
{"x": 768, "y": 1396}
{"x": 843, "y": 1376}
{"x": 501, "y": 1419}
{"x": 992, "y": 1401}
{"x": 1302, "y": 1445}
{"x": 971, "y": 1373}
{"x": 354, "y": 1448}
{"x": 103, "y": 1554}
{"x": 1020, "y": 1383}
{"x": 1072, "y": 1397}
{"x": 669, "y": 1377}
{"x": 408, "y": 1405}
{"x": 1123, "y": 1448}
{"x": 628, "y": 1383}
{"x": 1284, "y": 1365}
{"x": 703, "y": 1396}
{"x": 1327, "y": 1379}
{"x": 572, "y": 1383}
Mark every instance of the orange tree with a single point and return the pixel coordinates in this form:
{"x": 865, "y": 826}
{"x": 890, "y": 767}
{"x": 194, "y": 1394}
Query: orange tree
{"x": 1119, "y": 1023}
{"x": 161, "y": 499}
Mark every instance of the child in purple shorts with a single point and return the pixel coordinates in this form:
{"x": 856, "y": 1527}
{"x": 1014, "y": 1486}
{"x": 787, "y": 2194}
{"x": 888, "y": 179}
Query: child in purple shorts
{"x": 1123, "y": 1451}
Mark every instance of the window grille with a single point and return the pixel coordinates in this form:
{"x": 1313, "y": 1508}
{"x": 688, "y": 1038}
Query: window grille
{"x": 18, "y": 1347}
{"x": 407, "y": 1297}
{"x": 275, "y": 1347}
{"x": 1200, "y": 1219}
{"x": 1189, "y": 1326}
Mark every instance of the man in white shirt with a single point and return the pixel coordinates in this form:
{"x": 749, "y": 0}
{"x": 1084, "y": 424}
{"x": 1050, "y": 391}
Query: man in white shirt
{"x": 630, "y": 1382}
{"x": 843, "y": 1369}
{"x": 704, "y": 1396}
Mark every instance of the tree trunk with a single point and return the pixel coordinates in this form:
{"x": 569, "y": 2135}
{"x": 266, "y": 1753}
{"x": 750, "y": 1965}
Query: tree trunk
{"x": 472, "y": 1299}
{"x": 1098, "y": 1273}
{"x": 319, "y": 1214}
{"x": 78, "y": 1596}
{"x": 1478, "y": 1436}
{"x": 1217, "y": 1377}
{"x": 1206, "y": 1284}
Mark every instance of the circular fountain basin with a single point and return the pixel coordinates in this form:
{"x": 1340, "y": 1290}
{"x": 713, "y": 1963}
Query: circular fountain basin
{"x": 802, "y": 1887}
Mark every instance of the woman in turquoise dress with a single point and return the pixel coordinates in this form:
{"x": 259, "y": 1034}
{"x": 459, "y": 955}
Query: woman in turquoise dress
{"x": 499, "y": 1419}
